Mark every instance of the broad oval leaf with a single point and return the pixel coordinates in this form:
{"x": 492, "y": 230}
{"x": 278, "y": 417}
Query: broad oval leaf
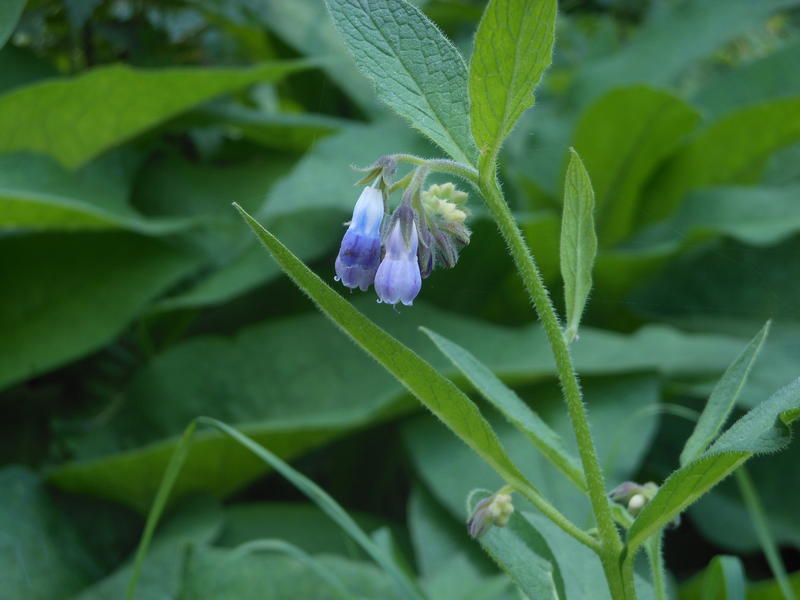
{"x": 722, "y": 399}
{"x": 97, "y": 298}
{"x": 764, "y": 429}
{"x": 513, "y": 47}
{"x": 512, "y": 407}
{"x": 578, "y": 242}
{"x": 109, "y": 105}
{"x": 416, "y": 70}
{"x": 749, "y": 135}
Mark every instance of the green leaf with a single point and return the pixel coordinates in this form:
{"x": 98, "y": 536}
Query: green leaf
{"x": 521, "y": 551}
{"x": 67, "y": 294}
{"x": 760, "y": 80}
{"x": 437, "y": 538}
{"x": 758, "y": 517}
{"x": 771, "y": 590}
{"x": 283, "y": 131}
{"x": 36, "y": 193}
{"x": 723, "y": 399}
{"x": 622, "y": 138}
{"x": 299, "y": 523}
{"x": 623, "y": 423}
{"x": 512, "y": 407}
{"x": 322, "y": 499}
{"x": 578, "y": 242}
{"x": 439, "y": 394}
{"x": 41, "y": 554}
{"x": 213, "y": 573}
{"x": 723, "y": 578}
{"x": 10, "y": 11}
{"x": 513, "y": 47}
{"x": 758, "y": 216}
{"x": 307, "y": 27}
{"x": 764, "y": 429}
{"x": 749, "y": 135}
{"x": 416, "y": 70}
{"x": 250, "y": 379}
{"x": 653, "y": 56}
{"x": 75, "y": 119}
{"x": 196, "y": 523}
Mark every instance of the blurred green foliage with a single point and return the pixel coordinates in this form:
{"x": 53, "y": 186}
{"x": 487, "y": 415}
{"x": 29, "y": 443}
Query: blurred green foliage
{"x": 134, "y": 299}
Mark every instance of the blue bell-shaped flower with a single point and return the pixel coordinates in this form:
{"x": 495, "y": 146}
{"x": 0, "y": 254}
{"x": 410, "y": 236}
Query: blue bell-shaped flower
{"x": 398, "y": 278}
{"x": 360, "y": 252}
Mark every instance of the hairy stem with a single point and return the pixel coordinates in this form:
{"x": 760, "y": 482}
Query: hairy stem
{"x": 441, "y": 165}
{"x": 656, "y": 558}
{"x": 610, "y": 542}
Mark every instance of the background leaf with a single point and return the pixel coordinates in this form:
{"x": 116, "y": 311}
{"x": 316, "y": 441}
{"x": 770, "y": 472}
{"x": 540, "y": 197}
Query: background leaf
{"x": 98, "y": 298}
{"x": 126, "y": 101}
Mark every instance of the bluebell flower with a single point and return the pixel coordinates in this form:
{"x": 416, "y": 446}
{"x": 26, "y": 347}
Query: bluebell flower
{"x": 360, "y": 252}
{"x": 398, "y": 278}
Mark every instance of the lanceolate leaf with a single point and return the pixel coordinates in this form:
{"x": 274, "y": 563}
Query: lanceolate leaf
{"x": 439, "y": 394}
{"x": 578, "y": 241}
{"x": 513, "y": 47}
{"x": 723, "y": 399}
{"x": 512, "y": 407}
{"x": 416, "y": 70}
{"x": 763, "y": 429}
{"x": 109, "y": 105}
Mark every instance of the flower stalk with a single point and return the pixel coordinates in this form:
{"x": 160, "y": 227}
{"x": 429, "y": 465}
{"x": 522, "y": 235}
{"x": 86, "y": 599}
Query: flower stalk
{"x": 611, "y": 546}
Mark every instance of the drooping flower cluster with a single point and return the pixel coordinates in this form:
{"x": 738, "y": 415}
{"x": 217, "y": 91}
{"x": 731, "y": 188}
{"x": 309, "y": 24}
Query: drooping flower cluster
{"x": 396, "y": 252}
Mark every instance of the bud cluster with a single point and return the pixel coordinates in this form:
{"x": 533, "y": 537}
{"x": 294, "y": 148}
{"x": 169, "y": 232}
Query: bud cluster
{"x": 633, "y": 496}
{"x": 395, "y": 252}
{"x": 494, "y": 510}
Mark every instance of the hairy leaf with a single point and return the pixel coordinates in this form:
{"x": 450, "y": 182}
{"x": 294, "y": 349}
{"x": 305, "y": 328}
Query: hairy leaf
{"x": 762, "y": 430}
{"x": 723, "y": 399}
{"x": 513, "y": 47}
{"x": 578, "y": 242}
{"x": 416, "y": 70}
{"x": 512, "y": 407}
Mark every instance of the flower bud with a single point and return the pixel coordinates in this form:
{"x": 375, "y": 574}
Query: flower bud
{"x": 636, "y": 504}
{"x": 360, "y": 251}
{"x": 398, "y": 278}
{"x": 494, "y": 510}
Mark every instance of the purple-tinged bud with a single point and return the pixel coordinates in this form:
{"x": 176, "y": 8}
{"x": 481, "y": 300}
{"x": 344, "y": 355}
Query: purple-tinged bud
{"x": 398, "y": 278}
{"x": 494, "y": 510}
{"x": 360, "y": 252}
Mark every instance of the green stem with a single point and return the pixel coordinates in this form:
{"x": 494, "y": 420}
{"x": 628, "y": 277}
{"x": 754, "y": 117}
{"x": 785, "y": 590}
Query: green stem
{"x": 656, "y": 558}
{"x": 759, "y": 519}
{"x": 556, "y": 516}
{"x": 441, "y": 165}
{"x": 611, "y": 544}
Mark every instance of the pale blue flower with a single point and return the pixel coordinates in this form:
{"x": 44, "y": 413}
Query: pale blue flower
{"x": 360, "y": 252}
{"x": 398, "y": 277}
